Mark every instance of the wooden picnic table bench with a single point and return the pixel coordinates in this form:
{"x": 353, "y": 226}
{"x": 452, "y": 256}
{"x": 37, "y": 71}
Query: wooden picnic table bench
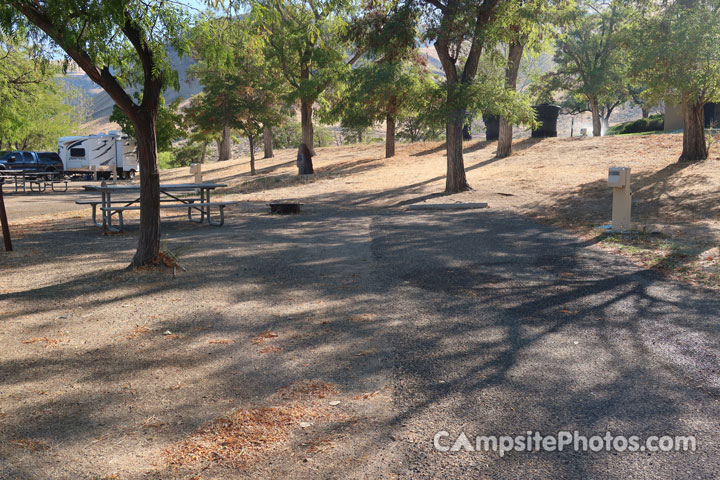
{"x": 203, "y": 208}
{"x": 35, "y": 179}
{"x": 43, "y": 183}
{"x": 94, "y": 204}
{"x": 169, "y": 193}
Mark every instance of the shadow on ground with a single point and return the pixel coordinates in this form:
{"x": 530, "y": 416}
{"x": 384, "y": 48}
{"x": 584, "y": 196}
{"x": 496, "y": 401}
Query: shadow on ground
{"x": 483, "y": 322}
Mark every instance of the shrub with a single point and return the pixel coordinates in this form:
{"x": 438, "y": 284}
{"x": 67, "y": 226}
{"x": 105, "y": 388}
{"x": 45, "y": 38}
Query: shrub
{"x": 653, "y": 123}
{"x": 166, "y": 160}
{"x": 289, "y": 135}
{"x": 418, "y": 129}
{"x": 190, "y": 152}
{"x": 322, "y": 135}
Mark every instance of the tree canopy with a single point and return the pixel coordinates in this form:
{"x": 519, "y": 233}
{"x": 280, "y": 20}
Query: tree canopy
{"x": 118, "y": 44}
{"x": 35, "y": 107}
{"x": 241, "y": 90}
{"x": 591, "y": 63}
{"x": 675, "y": 54}
{"x": 169, "y": 126}
{"x": 308, "y": 43}
{"x": 390, "y": 72}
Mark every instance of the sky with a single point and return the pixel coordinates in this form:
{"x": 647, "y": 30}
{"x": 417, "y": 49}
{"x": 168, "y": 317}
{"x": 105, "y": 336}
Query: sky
{"x": 196, "y": 4}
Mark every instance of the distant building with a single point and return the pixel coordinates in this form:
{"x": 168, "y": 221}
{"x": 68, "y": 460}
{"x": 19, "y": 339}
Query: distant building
{"x": 674, "y": 119}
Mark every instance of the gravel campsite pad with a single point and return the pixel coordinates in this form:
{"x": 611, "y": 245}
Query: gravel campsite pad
{"x": 337, "y": 342}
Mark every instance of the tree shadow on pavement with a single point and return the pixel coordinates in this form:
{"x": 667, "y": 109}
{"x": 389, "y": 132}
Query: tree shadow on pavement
{"x": 487, "y": 323}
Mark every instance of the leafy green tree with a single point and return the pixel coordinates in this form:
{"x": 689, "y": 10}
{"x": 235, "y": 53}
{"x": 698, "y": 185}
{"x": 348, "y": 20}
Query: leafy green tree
{"x": 35, "y": 121}
{"x": 46, "y": 116}
{"x": 390, "y": 73}
{"x": 35, "y": 109}
{"x": 460, "y": 31}
{"x": 637, "y": 92}
{"x": 308, "y": 43}
{"x": 591, "y": 65}
{"x": 117, "y": 43}
{"x": 169, "y": 125}
{"x": 525, "y": 30}
{"x": 420, "y": 122}
{"x": 675, "y": 54}
{"x": 378, "y": 92}
{"x": 240, "y": 89}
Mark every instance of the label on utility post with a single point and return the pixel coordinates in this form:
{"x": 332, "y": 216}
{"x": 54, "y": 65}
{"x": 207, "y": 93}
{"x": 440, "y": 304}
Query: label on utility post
{"x": 615, "y": 177}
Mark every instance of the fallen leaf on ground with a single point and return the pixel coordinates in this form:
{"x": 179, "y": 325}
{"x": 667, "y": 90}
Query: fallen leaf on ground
{"x": 266, "y": 335}
{"x": 30, "y": 444}
{"x": 308, "y": 389}
{"x": 271, "y": 349}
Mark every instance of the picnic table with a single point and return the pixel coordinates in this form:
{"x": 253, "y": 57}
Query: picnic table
{"x": 170, "y": 197}
{"x": 39, "y": 180}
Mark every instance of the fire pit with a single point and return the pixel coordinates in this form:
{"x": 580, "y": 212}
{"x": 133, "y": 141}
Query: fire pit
{"x": 285, "y": 208}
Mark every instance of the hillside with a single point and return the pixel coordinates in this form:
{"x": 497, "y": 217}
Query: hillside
{"x": 102, "y": 103}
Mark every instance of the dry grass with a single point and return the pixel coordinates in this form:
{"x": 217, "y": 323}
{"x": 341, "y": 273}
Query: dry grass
{"x": 249, "y": 436}
{"x": 240, "y": 439}
{"x": 311, "y": 389}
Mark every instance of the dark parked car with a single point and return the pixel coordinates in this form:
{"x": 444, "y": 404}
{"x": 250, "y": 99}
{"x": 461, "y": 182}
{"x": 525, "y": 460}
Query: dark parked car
{"x": 31, "y": 162}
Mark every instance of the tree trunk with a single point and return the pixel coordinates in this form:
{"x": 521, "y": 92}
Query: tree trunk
{"x": 389, "y": 136}
{"x": 149, "y": 241}
{"x": 595, "y": 111}
{"x": 306, "y": 123}
{"x": 4, "y": 223}
{"x": 268, "y": 142}
{"x": 467, "y": 130}
{"x": 204, "y": 152}
{"x": 694, "y": 146}
{"x": 645, "y": 112}
{"x": 251, "y": 140}
{"x": 225, "y": 145}
{"x": 505, "y": 137}
{"x": 455, "y": 180}
{"x": 604, "y": 124}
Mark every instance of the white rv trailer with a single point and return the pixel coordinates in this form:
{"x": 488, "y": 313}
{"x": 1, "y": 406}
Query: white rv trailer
{"x": 100, "y": 153}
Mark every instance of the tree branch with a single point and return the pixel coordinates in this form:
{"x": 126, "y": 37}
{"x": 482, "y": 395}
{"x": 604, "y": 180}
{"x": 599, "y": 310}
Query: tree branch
{"x": 108, "y": 82}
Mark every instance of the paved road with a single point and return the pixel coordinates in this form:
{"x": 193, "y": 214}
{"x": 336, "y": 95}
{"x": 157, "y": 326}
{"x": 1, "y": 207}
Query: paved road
{"x": 505, "y": 326}
{"x": 31, "y": 204}
{"x": 491, "y": 325}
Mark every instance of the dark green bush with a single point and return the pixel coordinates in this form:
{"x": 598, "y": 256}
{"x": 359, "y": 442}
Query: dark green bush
{"x": 190, "y": 152}
{"x": 653, "y": 123}
{"x": 289, "y": 135}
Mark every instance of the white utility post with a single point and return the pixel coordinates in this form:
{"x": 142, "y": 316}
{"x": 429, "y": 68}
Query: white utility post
{"x": 196, "y": 168}
{"x": 619, "y": 180}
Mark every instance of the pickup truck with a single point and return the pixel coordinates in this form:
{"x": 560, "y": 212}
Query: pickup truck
{"x": 31, "y": 162}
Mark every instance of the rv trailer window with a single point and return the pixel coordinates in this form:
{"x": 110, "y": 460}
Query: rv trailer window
{"x": 77, "y": 152}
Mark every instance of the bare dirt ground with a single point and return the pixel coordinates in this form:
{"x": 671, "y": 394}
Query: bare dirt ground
{"x": 561, "y": 181}
{"x": 280, "y": 351}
